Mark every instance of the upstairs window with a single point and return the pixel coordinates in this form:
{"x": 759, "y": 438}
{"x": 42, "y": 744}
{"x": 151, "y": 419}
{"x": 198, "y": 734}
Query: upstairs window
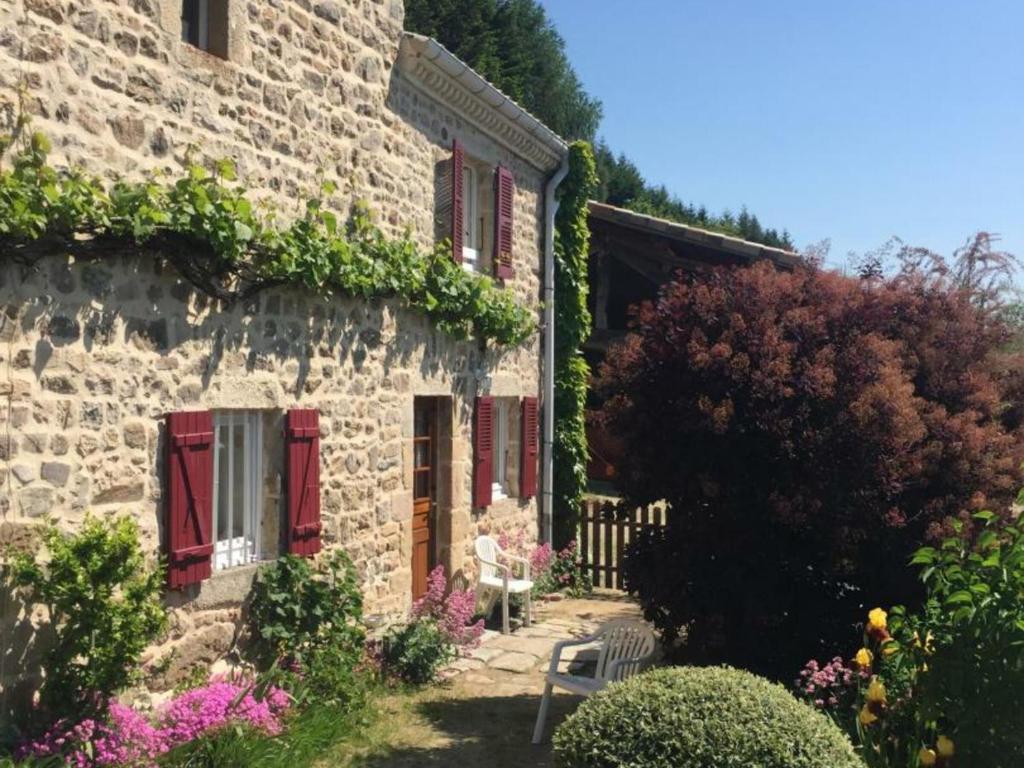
{"x": 204, "y": 24}
{"x": 478, "y": 214}
{"x": 474, "y": 208}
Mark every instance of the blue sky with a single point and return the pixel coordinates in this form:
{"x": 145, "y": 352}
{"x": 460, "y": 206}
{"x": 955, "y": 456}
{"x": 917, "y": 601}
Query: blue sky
{"x": 854, "y": 121}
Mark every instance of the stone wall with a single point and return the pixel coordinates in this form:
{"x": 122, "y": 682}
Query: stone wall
{"x": 94, "y": 355}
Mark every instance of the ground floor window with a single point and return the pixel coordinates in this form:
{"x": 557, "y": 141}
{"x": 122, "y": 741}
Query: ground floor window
{"x": 506, "y": 448}
{"x": 237, "y": 488}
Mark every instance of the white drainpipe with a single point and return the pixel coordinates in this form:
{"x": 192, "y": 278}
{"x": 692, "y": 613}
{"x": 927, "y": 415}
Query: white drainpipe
{"x": 548, "y": 369}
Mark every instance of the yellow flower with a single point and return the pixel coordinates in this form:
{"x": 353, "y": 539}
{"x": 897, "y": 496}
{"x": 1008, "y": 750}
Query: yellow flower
{"x": 878, "y": 619}
{"x": 876, "y": 692}
{"x": 867, "y": 717}
{"x": 864, "y": 658}
{"x": 927, "y": 646}
{"x": 890, "y": 648}
{"x": 945, "y": 746}
{"x": 926, "y": 756}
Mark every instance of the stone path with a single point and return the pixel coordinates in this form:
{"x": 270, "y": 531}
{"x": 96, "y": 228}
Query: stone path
{"x": 527, "y": 651}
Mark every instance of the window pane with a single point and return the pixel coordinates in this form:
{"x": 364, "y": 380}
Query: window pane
{"x": 223, "y": 501}
{"x": 190, "y": 21}
{"x": 422, "y": 451}
{"x": 421, "y": 485}
{"x": 238, "y": 481}
{"x": 422, "y": 421}
{"x": 500, "y": 442}
{"x": 468, "y": 206}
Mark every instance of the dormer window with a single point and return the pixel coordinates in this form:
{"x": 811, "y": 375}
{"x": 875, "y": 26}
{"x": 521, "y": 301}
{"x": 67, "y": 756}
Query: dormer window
{"x": 204, "y": 24}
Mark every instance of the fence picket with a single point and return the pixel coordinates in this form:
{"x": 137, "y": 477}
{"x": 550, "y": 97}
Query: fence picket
{"x": 605, "y": 534}
{"x": 620, "y": 552}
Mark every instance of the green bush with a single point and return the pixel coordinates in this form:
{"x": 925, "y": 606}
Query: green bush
{"x": 691, "y": 717}
{"x": 417, "y": 652}
{"x": 104, "y": 603}
{"x": 307, "y": 618}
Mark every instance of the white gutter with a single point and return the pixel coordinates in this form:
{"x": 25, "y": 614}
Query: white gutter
{"x": 548, "y": 368}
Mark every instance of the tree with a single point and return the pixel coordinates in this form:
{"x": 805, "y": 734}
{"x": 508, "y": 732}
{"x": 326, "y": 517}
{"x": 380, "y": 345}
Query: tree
{"x": 514, "y": 45}
{"x": 809, "y": 431}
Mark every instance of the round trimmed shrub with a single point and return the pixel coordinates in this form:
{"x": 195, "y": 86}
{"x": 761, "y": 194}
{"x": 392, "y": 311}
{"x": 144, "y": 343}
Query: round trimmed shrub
{"x": 700, "y": 717}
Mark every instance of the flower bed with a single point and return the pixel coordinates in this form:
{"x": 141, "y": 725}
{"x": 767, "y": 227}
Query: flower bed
{"x": 127, "y": 737}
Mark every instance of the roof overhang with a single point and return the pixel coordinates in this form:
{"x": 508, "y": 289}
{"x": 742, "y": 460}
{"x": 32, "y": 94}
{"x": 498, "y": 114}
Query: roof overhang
{"x": 684, "y": 233}
{"x": 452, "y": 82}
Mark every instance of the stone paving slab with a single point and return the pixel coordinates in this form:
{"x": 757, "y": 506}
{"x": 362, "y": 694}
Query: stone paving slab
{"x": 514, "y": 661}
{"x": 535, "y": 646}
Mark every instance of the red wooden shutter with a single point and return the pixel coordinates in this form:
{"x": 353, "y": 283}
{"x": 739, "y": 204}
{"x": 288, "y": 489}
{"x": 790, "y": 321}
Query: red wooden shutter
{"x": 458, "y": 160}
{"x": 529, "y": 440}
{"x": 189, "y": 497}
{"x": 504, "y": 196}
{"x": 302, "y": 441}
{"x": 483, "y": 452}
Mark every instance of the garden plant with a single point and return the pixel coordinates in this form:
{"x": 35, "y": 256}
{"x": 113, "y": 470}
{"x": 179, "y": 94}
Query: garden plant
{"x": 693, "y": 717}
{"x": 943, "y": 684}
{"x": 441, "y": 626}
{"x": 103, "y": 602}
{"x": 823, "y": 428}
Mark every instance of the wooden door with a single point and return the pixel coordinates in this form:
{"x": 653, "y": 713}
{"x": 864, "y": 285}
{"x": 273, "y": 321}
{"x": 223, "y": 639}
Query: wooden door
{"x": 424, "y": 493}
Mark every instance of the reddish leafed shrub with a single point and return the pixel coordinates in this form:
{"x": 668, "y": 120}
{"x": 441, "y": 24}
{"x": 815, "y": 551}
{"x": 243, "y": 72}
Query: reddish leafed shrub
{"x": 809, "y": 431}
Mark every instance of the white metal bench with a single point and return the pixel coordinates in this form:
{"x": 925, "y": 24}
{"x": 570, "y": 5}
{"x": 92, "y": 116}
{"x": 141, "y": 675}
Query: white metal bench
{"x": 626, "y": 647}
{"x": 496, "y": 578}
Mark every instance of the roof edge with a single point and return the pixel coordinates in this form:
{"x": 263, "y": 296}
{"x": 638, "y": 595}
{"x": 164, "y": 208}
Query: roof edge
{"x": 695, "y": 235}
{"x": 447, "y": 78}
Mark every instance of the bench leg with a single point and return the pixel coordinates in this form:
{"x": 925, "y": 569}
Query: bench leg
{"x": 529, "y": 609}
{"x": 542, "y": 714}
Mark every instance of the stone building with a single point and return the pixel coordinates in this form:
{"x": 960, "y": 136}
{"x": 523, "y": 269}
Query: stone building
{"x": 123, "y": 386}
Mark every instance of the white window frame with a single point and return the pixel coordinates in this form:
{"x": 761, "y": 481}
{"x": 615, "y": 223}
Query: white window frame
{"x": 470, "y": 217}
{"x": 233, "y": 552}
{"x": 499, "y": 487}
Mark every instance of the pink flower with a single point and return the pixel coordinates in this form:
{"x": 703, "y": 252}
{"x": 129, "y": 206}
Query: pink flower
{"x": 453, "y": 611}
{"x": 127, "y": 737}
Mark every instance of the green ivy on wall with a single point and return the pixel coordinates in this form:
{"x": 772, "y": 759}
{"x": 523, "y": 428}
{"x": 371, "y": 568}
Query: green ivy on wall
{"x": 572, "y": 327}
{"x": 206, "y": 227}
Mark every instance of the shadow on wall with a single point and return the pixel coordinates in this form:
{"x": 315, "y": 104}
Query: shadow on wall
{"x": 21, "y": 650}
{"x": 137, "y": 301}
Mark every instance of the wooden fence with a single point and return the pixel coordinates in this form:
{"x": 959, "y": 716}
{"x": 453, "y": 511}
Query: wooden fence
{"x": 606, "y": 529}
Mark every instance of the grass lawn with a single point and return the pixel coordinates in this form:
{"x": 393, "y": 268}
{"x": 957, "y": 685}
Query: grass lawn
{"x": 442, "y": 726}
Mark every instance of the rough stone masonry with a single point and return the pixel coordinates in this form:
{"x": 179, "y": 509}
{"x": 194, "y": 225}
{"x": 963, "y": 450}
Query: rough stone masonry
{"x": 94, "y": 355}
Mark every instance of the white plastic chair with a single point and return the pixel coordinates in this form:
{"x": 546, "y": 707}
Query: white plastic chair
{"x": 627, "y": 646}
{"x": 496, "y": 578}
